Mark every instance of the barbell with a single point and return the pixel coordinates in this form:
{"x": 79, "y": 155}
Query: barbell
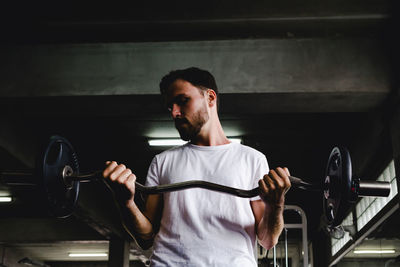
{"x": 57, "y": 174}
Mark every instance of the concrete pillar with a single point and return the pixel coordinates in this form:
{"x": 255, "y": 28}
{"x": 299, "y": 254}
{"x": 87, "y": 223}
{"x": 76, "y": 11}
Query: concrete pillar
{"x": 321, "y": 249}
{"x": 118, "y": 253}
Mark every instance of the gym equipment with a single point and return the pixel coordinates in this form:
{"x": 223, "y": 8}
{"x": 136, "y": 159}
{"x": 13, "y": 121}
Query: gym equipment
{"x": 58, "y": 172}
{"x": 341, "y": 190}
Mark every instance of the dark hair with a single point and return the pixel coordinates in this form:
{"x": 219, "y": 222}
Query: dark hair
{"x": 198, "y": 77}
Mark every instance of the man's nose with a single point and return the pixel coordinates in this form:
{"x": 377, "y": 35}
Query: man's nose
{"x": 175, "y": 111}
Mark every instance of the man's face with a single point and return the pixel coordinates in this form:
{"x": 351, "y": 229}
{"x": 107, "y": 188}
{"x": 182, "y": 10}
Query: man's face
{"x": 188, "y": 107}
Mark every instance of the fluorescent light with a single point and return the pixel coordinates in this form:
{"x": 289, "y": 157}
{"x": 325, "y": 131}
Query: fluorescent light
{"x": 5, "y": 199}
{"x": 178, "y": 142}
{"x": 87, "y": 254}
{"x": 235, "y": 140}
{"x": 375, "y": 251}
{"x": 166, "y": 142}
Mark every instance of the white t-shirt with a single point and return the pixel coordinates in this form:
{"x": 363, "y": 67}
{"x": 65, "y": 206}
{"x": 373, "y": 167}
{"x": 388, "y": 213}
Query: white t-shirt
{"x": 200, "y": 227}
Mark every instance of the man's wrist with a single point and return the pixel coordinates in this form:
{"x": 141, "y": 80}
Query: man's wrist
{"x": 130, "y": 204}
{"x": 274, "y": 208}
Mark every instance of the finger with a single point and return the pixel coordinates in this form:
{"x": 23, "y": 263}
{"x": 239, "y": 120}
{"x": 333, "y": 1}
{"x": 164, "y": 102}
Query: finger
{"x": 269, "y": 181}
{"x": 284, "y": 179}
{"x": 117, "y": 172}
{"x": 263, "y": 187}
{"x": 287, "y": 171}
{"x": 130, "y": 182}
{"x": 124, "y": 176}
{"x": 276, "y": 179}
{"x": 110, "y": 168}
{"x": 285, "y": 174}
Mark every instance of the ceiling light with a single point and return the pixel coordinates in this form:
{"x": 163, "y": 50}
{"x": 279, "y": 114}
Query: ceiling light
{"x": 87, "y": 254}
{"x": 178, "y": 142}
{"x": 375, "y": 251}
{"x": 166, "y": 142}
{"x": 235, "y": 140}
{"x": 5, "y": 199}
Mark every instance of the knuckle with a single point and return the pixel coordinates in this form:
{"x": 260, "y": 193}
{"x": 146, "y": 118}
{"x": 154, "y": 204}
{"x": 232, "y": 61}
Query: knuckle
{"x": 128, "y": 172}
{"x": 132, "y": 178}
{"x": 113, "y": 176}
{"x": 121, "y": 180}
{"x": 287, "y": 187}
{"x": 272, "y": 187}
{"x": 262, "y": 184}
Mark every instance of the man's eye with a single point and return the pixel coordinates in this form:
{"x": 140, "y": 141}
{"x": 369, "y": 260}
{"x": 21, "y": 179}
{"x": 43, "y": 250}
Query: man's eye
{"x": 182, "y": 101}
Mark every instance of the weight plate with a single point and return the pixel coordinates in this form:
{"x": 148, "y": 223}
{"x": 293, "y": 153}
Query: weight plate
{"x": 60, "y": 196}
{"x": 337, "y": 186}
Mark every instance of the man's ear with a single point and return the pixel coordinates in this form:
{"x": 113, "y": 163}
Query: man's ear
{"x": 211, "y": 97}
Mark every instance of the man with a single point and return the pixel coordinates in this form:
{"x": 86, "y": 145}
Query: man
{"x": 198, "y": 227}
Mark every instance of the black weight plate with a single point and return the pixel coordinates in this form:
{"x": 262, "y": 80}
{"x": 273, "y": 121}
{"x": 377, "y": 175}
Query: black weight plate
{"x": 61, "y": 198}
{"x": 337, "y": 186}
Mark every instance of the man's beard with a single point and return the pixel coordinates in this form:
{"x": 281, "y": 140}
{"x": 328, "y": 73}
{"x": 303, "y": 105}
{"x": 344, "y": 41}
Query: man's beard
{"x": 189, "y": 130}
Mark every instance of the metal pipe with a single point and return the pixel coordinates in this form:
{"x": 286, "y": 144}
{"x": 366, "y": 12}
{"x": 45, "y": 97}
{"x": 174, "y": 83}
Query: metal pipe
{"x": 286, "y": 249}
{"x": 303, "y": 227}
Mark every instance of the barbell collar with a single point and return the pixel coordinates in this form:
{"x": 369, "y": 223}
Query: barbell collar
{"x": 373, "y": 188}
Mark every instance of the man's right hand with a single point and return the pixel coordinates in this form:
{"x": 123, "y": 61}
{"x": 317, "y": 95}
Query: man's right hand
{"x": 122, "y": 181}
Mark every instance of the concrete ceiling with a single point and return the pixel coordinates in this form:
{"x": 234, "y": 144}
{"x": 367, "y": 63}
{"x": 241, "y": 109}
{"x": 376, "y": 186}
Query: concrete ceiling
{"x": 295, "y": 79}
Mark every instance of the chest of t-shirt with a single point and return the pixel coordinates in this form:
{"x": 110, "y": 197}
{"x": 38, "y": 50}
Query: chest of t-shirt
{"x": 217, "y": 167}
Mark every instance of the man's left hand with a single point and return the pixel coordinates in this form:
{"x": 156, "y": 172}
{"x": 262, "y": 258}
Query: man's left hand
{"x": 273, "y": 187}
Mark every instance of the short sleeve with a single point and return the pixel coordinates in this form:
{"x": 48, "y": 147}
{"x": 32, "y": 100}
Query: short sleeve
{"x": 261, "y": 169}
{"x": 152, "y": 178}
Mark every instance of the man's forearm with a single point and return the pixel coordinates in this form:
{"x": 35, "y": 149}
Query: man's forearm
{"x": 137, "y": 221}
{"x": 270, "y": 226}
{"x": 137, "y": 224}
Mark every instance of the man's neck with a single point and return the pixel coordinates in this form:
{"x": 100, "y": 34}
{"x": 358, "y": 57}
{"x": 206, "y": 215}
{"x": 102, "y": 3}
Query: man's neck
{"x": 213, "y": 135}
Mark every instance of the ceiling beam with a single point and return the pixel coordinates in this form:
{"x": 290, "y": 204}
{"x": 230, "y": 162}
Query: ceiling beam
{"x": 271, "y": 66}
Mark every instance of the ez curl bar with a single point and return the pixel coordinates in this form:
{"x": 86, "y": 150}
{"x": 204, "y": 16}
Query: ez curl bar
{"x": 59, "y": 179}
